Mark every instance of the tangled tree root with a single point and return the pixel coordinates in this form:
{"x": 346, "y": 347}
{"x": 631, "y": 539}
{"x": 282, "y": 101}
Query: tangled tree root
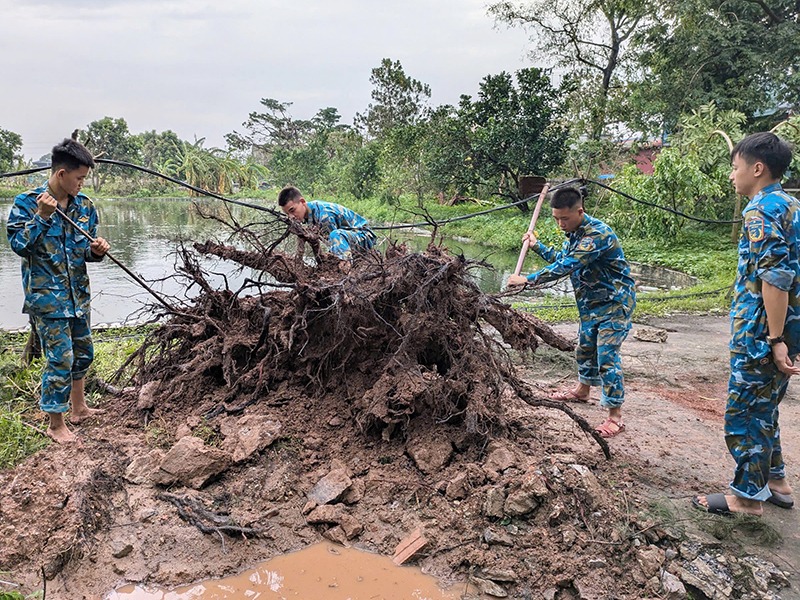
{"x": 398, "y": 336}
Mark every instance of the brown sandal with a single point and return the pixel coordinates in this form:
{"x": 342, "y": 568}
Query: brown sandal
{"x": 610, "y": 428}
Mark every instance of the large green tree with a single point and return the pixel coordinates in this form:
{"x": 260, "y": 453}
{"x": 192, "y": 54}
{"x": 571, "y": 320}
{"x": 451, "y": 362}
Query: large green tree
{"x": 10, "y": 145}
{"x": 589, "y": 38}
{"x": 397, "y": 101}
{"x": 508, "y": 131}
{"x": 743, "y": 55}
{"x": 110, "y": 138}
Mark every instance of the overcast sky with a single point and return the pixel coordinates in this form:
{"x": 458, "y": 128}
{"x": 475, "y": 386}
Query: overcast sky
{"x": 199, "y": 67}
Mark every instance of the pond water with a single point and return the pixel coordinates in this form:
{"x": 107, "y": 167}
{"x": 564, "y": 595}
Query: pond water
{"x": 320, "y": 572}
{"x": 143, "y": 235}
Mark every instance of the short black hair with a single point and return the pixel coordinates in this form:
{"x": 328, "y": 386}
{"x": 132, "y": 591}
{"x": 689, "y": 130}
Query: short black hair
{"x": 768, "y": 148}
{"x": 288, "y": 194}
{"x": 568, "y": 197}
{"x": 70, "y": 155}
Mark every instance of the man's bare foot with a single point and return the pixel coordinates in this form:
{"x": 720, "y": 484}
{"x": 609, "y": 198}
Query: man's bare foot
{"x": 77, "y": 417}
{"x": 62, "y": 435}
{"x": 737, "y": 504}
{"x": 780, "y": 486}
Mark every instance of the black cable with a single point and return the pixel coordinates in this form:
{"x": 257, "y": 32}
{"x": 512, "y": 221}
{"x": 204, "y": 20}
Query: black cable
{"x": 385, "y": 227}
{"x": 676, "y": 212}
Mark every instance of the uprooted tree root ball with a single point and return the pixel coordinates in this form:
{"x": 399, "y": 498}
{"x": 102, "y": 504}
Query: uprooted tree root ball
{"x": 401, "y": 336}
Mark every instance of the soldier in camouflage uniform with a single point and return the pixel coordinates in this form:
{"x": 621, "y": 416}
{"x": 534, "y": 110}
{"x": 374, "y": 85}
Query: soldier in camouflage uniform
{"x": 765, "y": 327}
{"x": 346, "y": 230}
{"x": 593, "y": 258}
{"x": 55, "y": 281}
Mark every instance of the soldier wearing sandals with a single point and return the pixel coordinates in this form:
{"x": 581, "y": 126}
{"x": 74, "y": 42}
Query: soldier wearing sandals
{"x": 593, "y": 258}
{"x": 765, "y": 328}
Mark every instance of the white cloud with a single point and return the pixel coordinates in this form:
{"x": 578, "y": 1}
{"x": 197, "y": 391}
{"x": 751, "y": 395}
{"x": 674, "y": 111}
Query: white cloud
{"x": 199, "y": 67}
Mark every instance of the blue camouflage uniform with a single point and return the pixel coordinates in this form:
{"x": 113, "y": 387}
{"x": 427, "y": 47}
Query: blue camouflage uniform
{"x": 56, "y": 285}
{"x": 593, "y": 258}
{"x": 769, "y": 250}
{"x": 346, "y": 229}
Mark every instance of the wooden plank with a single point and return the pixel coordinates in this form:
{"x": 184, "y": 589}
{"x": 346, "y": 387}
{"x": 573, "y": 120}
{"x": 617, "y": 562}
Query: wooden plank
{"x": 409, "y": 547}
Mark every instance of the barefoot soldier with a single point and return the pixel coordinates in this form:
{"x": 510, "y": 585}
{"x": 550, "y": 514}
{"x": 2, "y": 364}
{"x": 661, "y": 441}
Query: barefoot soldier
{"x": 765, "y": 327}
{"x": 604, "y": 290}
{"x": 346, "y": 229}
{"x": 55, "y": 281}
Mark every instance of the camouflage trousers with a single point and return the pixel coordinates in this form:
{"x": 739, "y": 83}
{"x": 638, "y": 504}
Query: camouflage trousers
{"x": 343, "y": 241}
{"x": 752, "y": 435}
{"x": 598, "y": 357}
{"x": 68, "y": 350}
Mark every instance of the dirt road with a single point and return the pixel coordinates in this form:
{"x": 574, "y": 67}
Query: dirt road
{"x": 675, "y": 401}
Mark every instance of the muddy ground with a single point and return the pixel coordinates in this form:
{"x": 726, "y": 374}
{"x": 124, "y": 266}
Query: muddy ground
{"x": 538, "y": 509}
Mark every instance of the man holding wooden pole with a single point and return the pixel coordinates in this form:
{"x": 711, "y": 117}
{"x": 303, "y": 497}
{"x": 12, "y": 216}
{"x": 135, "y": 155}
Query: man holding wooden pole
{"x": 604, "y": 290}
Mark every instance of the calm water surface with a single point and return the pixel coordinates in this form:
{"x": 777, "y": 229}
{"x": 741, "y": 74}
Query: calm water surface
{"x": 320, "y": 572}
{"x": 143, "y": 235}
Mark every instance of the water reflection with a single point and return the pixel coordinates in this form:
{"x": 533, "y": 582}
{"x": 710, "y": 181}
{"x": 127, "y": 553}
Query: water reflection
{"x": 320, "y": 572}
{"x": 143, "y": 235}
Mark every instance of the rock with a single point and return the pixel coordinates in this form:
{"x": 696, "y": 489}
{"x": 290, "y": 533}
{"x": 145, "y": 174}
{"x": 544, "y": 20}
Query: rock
{"x": 527, "y": 497}
{"x": 556, "y": 515}
{"x": 709, "y": 576}
{"x": 650, "y": 558}
{"x": 121, "y": 549}
{"x": 138, "y": 472}
{"x": 490, "y": 588}
{"x": 598, "y": 563}
{"x": 492, "y": 537}
{"x": 182, "y": 431}
{"x": 589, "y": 481}
{"x": 430, "y": 456}
{"x": 648, "y": 334}
{"x": 191, "y": 462}
{"x": 247, "y": 435}
{"x": 336, "y": 534}
{"x": 569, "y": 537}
{"x": 550, "y": 594}
{"x": 309, "y": 506}
{"x": 335, "y": 422}
{"x": 327, "y": 513}
{"x": 493, "y": 505}
{"x": 670, "y": 554}
{"x": 589, "y": 588}
{"x": 193, "y": 421}
{"x": 671, "y": 587}
{"x": 499, "y": 458}
{"x": 499, "y": 575}
{"x": 689, "y": 550}
{"x": 350, "y": 525}
{"x": 356, "y": 492}
{"x": 458, "y": 488}
{"x": 764, "y": 573}
{"x": 330, "y": 488}
{"x": 147, "y": 395}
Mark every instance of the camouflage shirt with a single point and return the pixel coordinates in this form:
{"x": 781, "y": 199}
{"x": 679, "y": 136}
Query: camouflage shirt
{"x": 330, "y": 216}
{"x": 769, "y": 250}
{"x": 593, "y": 258}
{"x": 54, "y": 255}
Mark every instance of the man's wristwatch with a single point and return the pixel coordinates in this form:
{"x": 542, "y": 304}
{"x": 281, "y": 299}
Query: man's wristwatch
{"x": 775, "y": 340}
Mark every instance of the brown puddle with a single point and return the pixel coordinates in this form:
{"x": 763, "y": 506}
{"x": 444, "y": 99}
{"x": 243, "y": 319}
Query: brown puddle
{"x": 320, "y": 572}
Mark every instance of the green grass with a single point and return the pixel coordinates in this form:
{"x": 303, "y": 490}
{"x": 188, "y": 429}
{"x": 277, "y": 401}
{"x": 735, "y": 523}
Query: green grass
{"x": 21, "y": 421}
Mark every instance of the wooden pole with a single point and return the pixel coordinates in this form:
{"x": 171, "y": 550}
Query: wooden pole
{"x": 535, "y": 216}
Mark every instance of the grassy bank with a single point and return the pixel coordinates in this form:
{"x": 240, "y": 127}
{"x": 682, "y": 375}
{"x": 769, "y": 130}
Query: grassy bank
{"x": 707, "y": 255}
{"x": 21, "y": 422}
